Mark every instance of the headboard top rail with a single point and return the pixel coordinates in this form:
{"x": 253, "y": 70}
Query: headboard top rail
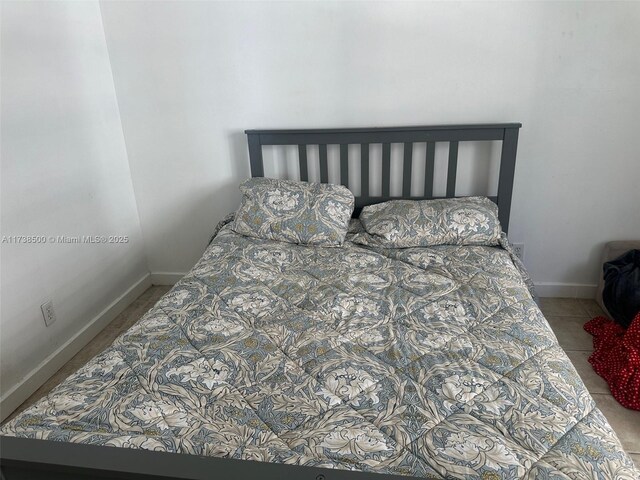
{"x": 482, "y": 126}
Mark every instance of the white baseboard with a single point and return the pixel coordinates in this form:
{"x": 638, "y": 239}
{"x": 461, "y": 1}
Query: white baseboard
{"x": 50, "y": 365}
{"x": 565, "y": 290}
{"x": 166, "y": 278}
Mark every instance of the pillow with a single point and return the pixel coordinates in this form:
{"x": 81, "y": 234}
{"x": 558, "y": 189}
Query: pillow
{"x": 295, "y": 212}
{"x": 425, "y": 223}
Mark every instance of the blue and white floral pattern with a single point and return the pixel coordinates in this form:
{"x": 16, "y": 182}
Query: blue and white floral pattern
{"x": 433, "y": 362}
{"x": 425, "y": 223}
{"x": 295, "y": 212}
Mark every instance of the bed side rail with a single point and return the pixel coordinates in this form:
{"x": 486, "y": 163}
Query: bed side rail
{"x": 33, "y": 459}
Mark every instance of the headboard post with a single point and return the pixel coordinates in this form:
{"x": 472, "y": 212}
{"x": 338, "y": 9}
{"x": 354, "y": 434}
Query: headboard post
{"x": 507, "y": 173}
{"x": 255, "y": 155}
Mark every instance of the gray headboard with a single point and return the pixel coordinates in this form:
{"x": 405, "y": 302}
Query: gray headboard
{"x": 507, "y": 133}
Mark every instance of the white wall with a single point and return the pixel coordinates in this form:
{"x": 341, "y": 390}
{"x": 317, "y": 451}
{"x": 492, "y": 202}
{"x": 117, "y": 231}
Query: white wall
{"x": 64, "y": 172}
{"x": 190, "y": 77}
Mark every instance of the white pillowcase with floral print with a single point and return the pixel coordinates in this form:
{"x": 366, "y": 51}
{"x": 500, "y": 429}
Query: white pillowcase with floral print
{"x": 426, "y": 223}
{"x": 295, "y": 212}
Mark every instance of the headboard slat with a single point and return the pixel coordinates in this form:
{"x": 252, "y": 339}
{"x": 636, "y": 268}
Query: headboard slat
{"x": 302, "y": 160}
{"x": 452, "y": 169}
{"x": 406, "y": 169}
{"x": 428, "y": 169}
{"x": 386, "y": 169}
{"x": 344, "y": 164}
{"x": 324, "y": 165}
{"x": 507, "y": 133}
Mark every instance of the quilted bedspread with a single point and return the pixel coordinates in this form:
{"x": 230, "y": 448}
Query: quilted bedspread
{"x": 433, "y": 362}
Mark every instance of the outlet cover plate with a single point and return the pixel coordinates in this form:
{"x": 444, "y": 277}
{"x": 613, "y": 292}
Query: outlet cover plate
{"x": 48, "y": 313}
{"x": 518, "y": 249}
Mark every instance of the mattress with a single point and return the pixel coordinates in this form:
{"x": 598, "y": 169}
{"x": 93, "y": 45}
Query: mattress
{"x": 432, "y": 362}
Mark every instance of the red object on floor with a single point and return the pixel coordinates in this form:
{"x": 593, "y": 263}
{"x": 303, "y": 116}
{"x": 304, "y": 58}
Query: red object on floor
{"x": 616, "y": 358}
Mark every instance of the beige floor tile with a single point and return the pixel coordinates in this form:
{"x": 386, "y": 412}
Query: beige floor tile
{"x": 636, "y": 458}
{"x": 592, "y": 308}
{"x": 593, "y": 381}
{"x": 126, "y": 320}
{"x": 563, "y": 307}
{"x": 138, "y": 308}
{"x": 570, "y": 332}
{"x": 159, "y": 290}
{"x": 90, "y": 350}
{"x": 624, "y": 421}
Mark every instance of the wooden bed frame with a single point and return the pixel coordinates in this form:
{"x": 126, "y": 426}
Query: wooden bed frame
{"x": 34, "y": 459}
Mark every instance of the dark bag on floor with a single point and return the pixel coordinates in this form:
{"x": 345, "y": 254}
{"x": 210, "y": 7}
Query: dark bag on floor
{"x": 621, "y": 294}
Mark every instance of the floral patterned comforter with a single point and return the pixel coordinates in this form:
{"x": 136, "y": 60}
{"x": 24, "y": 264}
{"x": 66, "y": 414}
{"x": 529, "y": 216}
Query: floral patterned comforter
{"x": 433, "y": 362}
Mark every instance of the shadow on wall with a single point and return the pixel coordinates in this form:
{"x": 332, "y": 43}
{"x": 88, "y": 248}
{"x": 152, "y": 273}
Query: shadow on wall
{"x": 594, "y": 258}
{"x": 226, "y": 197}
{"x": 183, "y": 226}
{"x": 239, "y": 155}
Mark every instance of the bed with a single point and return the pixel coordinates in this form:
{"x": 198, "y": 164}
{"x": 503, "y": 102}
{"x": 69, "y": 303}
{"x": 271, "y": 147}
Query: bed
{"x": 275, "y": 360}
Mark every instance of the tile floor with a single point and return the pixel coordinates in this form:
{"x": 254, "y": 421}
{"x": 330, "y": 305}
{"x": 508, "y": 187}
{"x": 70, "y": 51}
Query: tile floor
{"x": 566, "y": 316}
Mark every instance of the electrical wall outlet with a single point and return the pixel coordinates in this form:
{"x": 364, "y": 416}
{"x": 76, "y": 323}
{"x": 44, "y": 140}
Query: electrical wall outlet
{"x": 518, "y": 249}
{"x": 48, "y": 313}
